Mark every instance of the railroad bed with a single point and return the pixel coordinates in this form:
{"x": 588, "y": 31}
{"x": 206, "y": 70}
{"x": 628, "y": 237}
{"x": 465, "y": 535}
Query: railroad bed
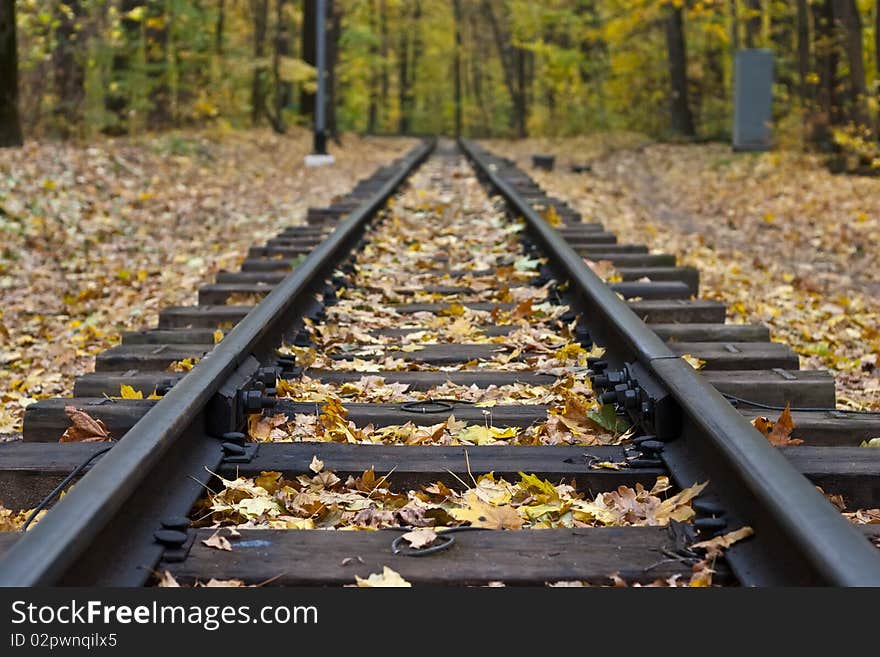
{"x": 452, "y": 371}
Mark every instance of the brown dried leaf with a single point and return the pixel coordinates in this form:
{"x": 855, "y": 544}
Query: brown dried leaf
{"x": 715, "y": 546}
{"x": 84, "y": 428}
{"x": 481, "y": 514}
{"x": 780, "y": 435}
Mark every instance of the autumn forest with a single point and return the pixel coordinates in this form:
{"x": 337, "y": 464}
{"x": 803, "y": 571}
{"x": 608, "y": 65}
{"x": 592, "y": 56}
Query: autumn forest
{"x": 473, "y": 67}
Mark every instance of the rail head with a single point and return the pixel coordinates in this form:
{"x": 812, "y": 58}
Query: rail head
{"x": 825, "y": 547}
{"x": 43, "y": 555}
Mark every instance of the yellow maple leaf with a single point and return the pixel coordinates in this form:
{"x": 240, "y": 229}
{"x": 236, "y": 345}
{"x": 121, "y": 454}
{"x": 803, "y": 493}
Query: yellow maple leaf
{"x": 127, "y": 392}
{"x": 183, "y": 365}
{"x": 693, "y": 361}
{"x": 535, "y": 484}
{"x": 454, "y": 310}
{"x": 483, "y": 435}
{"x": 551, "y": 216}
{"x": 388, "y": 578}
{"x": 482, "y": 514}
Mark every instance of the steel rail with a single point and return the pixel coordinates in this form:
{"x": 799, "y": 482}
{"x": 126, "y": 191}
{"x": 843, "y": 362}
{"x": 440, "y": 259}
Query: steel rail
{"x": 819, "y": 544}
{"x": 43, "y": 555}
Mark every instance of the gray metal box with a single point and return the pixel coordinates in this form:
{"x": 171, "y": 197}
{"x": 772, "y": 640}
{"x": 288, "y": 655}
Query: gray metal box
{"x": 753, "y": 99}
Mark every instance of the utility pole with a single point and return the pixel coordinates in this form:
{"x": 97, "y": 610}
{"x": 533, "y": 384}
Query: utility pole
{"x": 319, "y": 156}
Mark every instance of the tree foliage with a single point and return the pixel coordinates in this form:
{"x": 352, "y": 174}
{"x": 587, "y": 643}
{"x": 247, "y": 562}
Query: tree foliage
{"x": 503, "y": 67}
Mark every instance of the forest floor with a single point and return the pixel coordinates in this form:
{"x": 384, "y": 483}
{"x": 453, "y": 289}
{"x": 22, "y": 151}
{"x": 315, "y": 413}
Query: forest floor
{"x": 775, "y": 236}
{"x": 95, "y": 239}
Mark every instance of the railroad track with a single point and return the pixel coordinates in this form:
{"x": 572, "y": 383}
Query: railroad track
{"x": 396, "y": 360}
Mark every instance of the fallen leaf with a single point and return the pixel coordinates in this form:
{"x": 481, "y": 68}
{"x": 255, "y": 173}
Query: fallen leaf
{"x": 523, "y": 310}
{"x": 693, "y": 361}
{"x": 388, "y": 578}
{"x": 482, "y": 435}
{"x": 420, "y": 538}
{"x": 482, "y": 514}
{"x": 84, "y": 428}
{"x": 453, "y": 310}
{"x": 780, "y": 435}
{"x": 183, "y": 365}
{"x": 127, "y": 392}
{"x": 224, "y": 583}
{"x": 316, "y": 465}
{"x": 218, "y": 542}
{"x": 607, "y": 418}
{"x": 167, "y": 581}
{"x": 607, "y": 465}
{"x": 715, "y": 546}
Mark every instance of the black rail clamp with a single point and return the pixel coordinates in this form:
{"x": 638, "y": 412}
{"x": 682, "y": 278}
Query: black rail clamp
{"x": 236, "y": 449}
{"x": 244, "y": 393}
{"x": 176, "y": 537}
{"x": 636, "y": 392}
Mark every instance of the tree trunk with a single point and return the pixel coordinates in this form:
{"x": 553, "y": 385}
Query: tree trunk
{"x": 283, "y": 89}
{"x": 10, "y": 124}
{"x": 476, "y": 73}
{"x": 456, "y": 73}
{"x": 219, "y": 27}
{"x": 373, "y": 101}
{"x": 417, "y": 47}
{"x": 682, "y": 119}
{"x": 383, "y": 52}
{"x": 782, "y": 41}
{"x": 877, "y": 39}
{"x": 512, "y": 66}
{"x": 116, "y": 99}
{"x": 877, "y": 57}
{"x": 309, "y": 55}
{"x": 403, "y": 80}
{"x": 753, "y": 24}
{"x": 734, "y": 24}
{"x": 803, "y": 49}
{"x": 260, "y": 10}
{"x": 846, "y": 16}
{"x": 156, "y": 44}
{"x": 521, "y": 99}
{"x": 826, "y": 53}
{"x": 334, "y": 32}
{"x": 69, "y": 73}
